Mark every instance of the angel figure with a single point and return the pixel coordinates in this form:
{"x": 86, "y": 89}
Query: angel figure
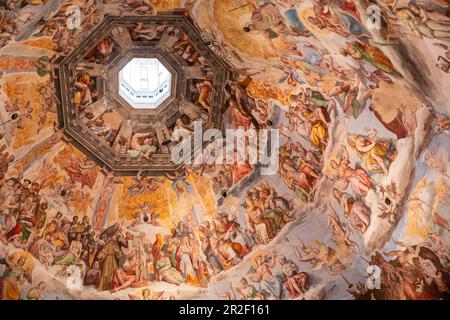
{"x": 147, "y": 294}
{"x": 357, "y": 178}
{"x": 340, "y": 233}
{"x": 180, "y": 184}
{"x": 143, "y": 184}
{"x": 322, "y": 256}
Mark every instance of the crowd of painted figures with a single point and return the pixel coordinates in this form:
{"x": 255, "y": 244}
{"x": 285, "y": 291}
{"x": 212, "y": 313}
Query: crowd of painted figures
{"x": 410, "y": 273}
{"x": 289, "y": 282}
{"x": 322, "y": 88}
{"x": 117, "y": 258}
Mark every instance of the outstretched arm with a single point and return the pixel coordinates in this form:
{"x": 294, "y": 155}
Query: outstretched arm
{"x": 170, "y": 177}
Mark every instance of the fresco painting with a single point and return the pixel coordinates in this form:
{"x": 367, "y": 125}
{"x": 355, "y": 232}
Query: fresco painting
{"x": 361, "y": 101}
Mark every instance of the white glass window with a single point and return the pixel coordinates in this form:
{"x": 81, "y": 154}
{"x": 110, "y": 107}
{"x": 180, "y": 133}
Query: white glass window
{"x": 145, "y": 83}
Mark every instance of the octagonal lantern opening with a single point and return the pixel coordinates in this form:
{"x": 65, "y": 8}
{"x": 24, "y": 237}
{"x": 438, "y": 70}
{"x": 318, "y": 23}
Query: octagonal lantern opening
{"x": 141, "y": 87}
{"x": 145, "y": 83}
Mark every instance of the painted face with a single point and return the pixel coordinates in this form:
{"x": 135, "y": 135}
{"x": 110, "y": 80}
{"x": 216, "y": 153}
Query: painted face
{"x": 21, "y": 262}
{"x": 180, "y": 186}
